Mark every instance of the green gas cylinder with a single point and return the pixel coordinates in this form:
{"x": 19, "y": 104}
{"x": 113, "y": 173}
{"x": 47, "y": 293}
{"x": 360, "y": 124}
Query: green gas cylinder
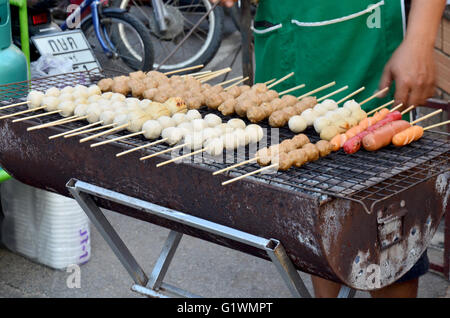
{"x": 13, "y": 64}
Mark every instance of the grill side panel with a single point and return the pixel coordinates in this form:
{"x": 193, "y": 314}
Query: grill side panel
{"x": 361, "y": 248}
{"x": 253, "y": 207}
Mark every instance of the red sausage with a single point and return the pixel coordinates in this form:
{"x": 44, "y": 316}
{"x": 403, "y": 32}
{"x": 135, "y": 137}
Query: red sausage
{"x": 383, "y": 136}
{"x": 354, "y": 144}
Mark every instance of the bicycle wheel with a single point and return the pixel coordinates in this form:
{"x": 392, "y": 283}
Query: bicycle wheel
{"x": 126, "y": 36}
{"x": 199, "y": 48}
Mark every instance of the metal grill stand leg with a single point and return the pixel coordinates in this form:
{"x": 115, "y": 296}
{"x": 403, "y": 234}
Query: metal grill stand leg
{"x": 346, "y": 292}
{"x": 164, "y": 260}
{"x": 83, "y": 193}
{"x": 286, "y": 269}
{"x": 110, "y": 235}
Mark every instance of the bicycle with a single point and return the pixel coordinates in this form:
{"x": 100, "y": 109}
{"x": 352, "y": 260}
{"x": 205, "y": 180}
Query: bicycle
{"x": 169, "y": 21}
{"x": 119, "y": 40}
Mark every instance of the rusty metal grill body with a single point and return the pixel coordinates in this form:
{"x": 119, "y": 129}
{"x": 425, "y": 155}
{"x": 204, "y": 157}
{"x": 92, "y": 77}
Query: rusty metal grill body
{"x": 335, "y": 217}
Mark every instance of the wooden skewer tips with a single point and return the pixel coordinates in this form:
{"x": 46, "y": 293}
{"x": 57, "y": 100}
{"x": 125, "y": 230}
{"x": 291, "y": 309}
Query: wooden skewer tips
{"x": 426, "y": 117}
{"x": 273, "y": 166}
{"x": 107, "y": 132}
{"x": 235, "y": 166}
{"x": 437, "y": 125}
{"x": 141, "y": 147}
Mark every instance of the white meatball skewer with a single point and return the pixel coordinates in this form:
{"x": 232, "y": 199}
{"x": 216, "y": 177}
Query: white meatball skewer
{"x": 203, "y": 141}
{"x": 48, "y": 101}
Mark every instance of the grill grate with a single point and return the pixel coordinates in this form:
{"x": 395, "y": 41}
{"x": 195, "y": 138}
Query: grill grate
{"x": 364, "y": 177}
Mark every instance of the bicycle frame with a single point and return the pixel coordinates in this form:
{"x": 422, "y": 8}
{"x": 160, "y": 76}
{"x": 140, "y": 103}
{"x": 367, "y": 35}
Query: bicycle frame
{"x": 160, "y": 15}
{"x": 103, "y": 39}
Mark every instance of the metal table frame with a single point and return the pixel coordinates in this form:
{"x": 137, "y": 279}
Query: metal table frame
{"x": 153, "y": 285}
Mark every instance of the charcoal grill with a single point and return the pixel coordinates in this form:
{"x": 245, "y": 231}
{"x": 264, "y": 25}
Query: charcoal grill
{"x": 345, "y": 217}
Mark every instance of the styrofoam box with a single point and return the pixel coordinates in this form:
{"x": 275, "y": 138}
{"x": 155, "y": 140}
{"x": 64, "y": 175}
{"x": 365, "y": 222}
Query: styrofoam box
{"x": 43, "y": 226}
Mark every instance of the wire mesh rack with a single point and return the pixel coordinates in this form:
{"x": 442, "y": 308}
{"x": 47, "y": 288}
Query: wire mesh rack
{"x": 364, "y": 177}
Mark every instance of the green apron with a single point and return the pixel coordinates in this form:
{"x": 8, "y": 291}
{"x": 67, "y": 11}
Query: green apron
{"x": 324, "y": 41}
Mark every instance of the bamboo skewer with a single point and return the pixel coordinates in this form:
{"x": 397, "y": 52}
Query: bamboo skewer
{"x": 213, "y": 76}
{"x": 22, "y": 112}
{"x": 75, "y": 130}
{"x": 237, "y": 83}
{"x": 184, "y": 69}
{"x": 116, "y": 139}
{"x": 250, "y": 174}
{"x": 280, "y": 80}
{"x": 410, "y": 108}
{"x": 332, "y": 94}
{"x": 181, "y": 157}
{"x": 316, "y": 90}
{"x": 292, "y": 89}
{"x": 235, "y": 166}
{"x": 351, "y": 95}
{"x": 14, "y": 105}
{"x": 90, "y": 130}
{"x": 396, "y": 107}
{"x": 231, "y": 80}
{"x": 207, "y": 74}
{"x": 271, "y": 81}
{"x": 426, "y": 117}
{"x": 197, "y": 74}
{"x": 107, "y": 132}
{"x": 437, "y": 125}
{"x": 37, "y": 116}
{"x": 56, "y": 123}
{"x": 210, "y": 73}
{"x": 162, "y": 152}
{"x": 381, "y": 107}
{"x": 375, "y": 95}
{"x": 141, "y": 147}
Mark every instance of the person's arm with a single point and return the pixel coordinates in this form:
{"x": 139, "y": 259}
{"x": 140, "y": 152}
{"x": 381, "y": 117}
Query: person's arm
{"x": 226, "y": 3}
{"x": 412, "y": 66}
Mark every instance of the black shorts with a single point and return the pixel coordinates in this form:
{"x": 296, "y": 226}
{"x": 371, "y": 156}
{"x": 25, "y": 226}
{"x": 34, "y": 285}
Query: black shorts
{"x": 420, "y": 268}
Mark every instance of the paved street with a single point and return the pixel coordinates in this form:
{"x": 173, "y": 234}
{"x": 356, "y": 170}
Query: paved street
{"x": 200, "y": 267}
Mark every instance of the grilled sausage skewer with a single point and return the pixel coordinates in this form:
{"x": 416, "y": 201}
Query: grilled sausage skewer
{"x": 383, "y": 136}
{"x": 412, "y": 134}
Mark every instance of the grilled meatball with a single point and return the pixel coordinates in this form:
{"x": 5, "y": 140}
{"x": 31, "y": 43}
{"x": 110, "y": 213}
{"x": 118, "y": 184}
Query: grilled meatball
{"x": 272, "y": 94}
{"x": 324, "y": 148}
{"x": 137, "y": 87}
{"x": 235, "y": 91}
{"x": 312, "y": 152}
{"x": 300, "y": 157}
{"x": 139, "y": 75}
{"x": 285, "y": 161}
{"x": 244, "y": 88}
{"x": 277, "y": 119}
{"x": 150, "y": 93}
{"x": 256, "y": 114}
{"x": 227, "y": 107}
{"x": 213, "y": 100}
{"x": 106, "y": 84}
{"x": 289, "y": 100}
{"x": 287, "y": 146}
{"x": 260, "y": 88}
{"x": 300, "y": 140}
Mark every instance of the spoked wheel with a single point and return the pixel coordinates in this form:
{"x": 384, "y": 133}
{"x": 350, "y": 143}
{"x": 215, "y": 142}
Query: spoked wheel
{"x": 182, "y": 15}
{"x": 126, "y": 37}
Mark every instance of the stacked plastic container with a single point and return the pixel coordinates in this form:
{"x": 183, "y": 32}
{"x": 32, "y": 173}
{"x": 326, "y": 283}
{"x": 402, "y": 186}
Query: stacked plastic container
{"x": 46, "y": 227}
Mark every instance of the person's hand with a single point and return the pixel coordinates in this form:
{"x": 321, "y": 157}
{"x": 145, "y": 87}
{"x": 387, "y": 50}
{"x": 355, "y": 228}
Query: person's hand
{"x": 412, "y": 67}
{"x": 226, "y": 3}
